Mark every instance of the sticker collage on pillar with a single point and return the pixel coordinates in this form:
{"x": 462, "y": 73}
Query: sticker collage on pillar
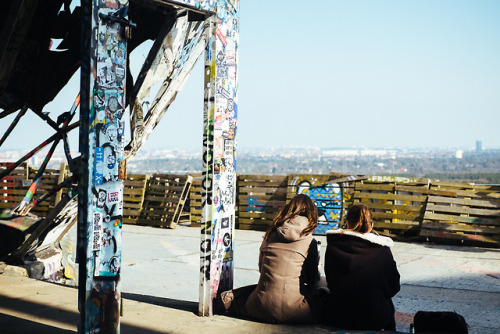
{"x": 107, "y": 140}
{"x": 224, "y": 130}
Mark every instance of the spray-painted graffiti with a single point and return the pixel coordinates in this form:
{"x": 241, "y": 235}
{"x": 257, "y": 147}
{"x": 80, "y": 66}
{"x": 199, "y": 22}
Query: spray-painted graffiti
{"x": 254, "y": 205}
{"x": 326, "y": 197}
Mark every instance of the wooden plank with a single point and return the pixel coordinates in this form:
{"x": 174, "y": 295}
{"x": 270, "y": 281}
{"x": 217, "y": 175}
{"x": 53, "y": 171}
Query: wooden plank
{"x": 407, "y": 225}
{"x": 424, "y": 190}
{"x": 153, "y": 211}
{"x": 461, "y": 227}
{"x": 460, "y": 219}
{"x": 255, "y": 177}
{"x": 468, "y": 193}
{"x": 161, "y": 187}
{"x": 263, "y": 190}
{"x": 253, "y": 183}
{"x": 264, "y": 209}
{"x": 182, "y": 200}
{"x": 127, "y": 220}
{"x": 159, "y": 200}
{"x": 135, "y": 206}
{"x": 462, "y": 185}
{"x": 390, "y": 215}
{"x": 390, "y": 197}
{"x": 134, "y": 192}
{"x": 270, "y": 198}
{"x": 395, "y": 207}
{"x": 398, "y": 180}
{"x": 194, "y": 196}
{"x": 245, "y": 214}
{"x": 133, "y": 184}
{"x": 463, "y": 210}
{"x": 486, "y": 203}
{"x": 375, "y": 186}
{"x": 493, "y": 239}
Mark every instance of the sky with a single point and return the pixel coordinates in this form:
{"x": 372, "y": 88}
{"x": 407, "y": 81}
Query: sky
{"x": 343, "y": 74}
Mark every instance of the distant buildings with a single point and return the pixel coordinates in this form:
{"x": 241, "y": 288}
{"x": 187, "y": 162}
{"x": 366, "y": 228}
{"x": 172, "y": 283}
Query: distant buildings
{"x": 479, "y": 146}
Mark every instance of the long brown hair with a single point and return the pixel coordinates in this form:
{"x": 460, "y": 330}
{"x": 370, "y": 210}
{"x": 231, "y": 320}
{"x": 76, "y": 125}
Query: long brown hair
{"x": 300, "y": 205}
{"x": 359, "y": 219}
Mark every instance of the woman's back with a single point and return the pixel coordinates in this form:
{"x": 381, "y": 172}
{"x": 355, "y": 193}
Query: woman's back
{"x": 277, "y": 297}
{"x": 362, "y": 275}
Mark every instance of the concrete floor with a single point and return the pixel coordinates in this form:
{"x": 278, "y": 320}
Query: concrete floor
{"x": 160, "y": 279}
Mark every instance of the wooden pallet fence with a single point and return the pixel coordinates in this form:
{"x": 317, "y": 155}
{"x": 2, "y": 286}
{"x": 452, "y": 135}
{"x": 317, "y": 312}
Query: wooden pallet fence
{"x": 164, "y": 200}
{"x": 195, "y": 200}
{"x": 13, "y": 187}
{"x": 259, "y": 199}
{"x": 465, "y": 212}
{"x": 48, "y": 181}
{"x": 397, "y": 203}
{"x": 134, "y": 188}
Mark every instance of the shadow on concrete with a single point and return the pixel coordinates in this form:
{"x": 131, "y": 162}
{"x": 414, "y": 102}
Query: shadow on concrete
{"x": 35, "y": 317}
{"x": 14, "y": 325}
{"x": 177, "y": 304}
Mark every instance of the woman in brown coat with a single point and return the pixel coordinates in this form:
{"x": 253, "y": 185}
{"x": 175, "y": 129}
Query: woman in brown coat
{"x": 285, "y": 275}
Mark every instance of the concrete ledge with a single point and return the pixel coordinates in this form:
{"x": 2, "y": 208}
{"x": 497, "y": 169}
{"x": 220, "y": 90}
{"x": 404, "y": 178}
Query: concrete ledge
{"x": 31, "y": 306}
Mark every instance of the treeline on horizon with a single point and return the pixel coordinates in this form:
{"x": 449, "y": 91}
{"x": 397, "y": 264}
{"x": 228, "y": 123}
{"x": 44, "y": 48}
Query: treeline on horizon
{"x": 478, "y": 178}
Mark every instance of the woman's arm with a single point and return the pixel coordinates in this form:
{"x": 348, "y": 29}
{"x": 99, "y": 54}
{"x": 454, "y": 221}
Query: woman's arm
{"x": 310, "y": 272}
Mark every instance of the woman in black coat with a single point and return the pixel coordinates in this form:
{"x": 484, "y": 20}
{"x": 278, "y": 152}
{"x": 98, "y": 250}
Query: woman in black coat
{"x": 361, "y": 274}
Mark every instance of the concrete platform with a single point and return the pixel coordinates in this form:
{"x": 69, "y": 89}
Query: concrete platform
{"x": 160, "y": 276}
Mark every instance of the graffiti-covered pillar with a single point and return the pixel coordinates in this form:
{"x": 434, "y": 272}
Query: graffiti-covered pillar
{"x": 103, "y": 74}
{"x": 219, "y": 154}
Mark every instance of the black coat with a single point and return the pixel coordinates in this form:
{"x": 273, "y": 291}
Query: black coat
{"x": 362, "y": 277}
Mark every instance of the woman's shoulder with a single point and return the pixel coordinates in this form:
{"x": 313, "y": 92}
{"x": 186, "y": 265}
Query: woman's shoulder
{"x": 370, "y": 237}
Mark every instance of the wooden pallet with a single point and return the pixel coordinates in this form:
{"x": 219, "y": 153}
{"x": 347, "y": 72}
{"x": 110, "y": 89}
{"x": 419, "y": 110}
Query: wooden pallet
{"x": 397, "y": 204}
{"x": 195, "y": 201}
{"x": 48, "y": 181}
{"x": 164, "y": 200}
{"x": 14, "y": 187}
{"x": 134, "y": 188}
{"x": 259, "y": 199}
{"x": 466, "y": 212}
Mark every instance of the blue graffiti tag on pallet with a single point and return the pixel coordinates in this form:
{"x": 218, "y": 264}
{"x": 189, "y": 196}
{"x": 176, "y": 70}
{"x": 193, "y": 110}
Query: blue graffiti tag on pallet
{"x": 328, "y": 200}
{"x": 254, "y": 205}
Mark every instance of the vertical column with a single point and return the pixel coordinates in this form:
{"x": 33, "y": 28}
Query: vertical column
{"x": 219, "y": 154}
{"x": 101, "y": 145}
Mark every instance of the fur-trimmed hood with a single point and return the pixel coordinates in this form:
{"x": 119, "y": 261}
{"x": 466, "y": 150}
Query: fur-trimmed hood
{"x": 371, "y": 237}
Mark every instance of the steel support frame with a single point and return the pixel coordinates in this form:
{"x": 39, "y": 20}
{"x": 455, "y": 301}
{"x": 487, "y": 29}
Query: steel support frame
{"x": 99, "y": 263}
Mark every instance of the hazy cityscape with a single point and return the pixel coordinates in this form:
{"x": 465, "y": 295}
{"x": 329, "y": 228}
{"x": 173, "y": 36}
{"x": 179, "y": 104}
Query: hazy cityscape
{"x": 474, "y": 165}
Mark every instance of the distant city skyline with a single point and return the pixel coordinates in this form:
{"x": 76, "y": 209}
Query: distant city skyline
{"x": 341, "y": 74}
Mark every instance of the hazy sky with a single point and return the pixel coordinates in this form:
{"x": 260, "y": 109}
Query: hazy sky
{"x": 346, "y": 73}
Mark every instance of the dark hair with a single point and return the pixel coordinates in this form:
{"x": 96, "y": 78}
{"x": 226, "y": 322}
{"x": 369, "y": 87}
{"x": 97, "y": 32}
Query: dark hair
{"x": 300, "y": 205}
{"x": 359, "y": 219}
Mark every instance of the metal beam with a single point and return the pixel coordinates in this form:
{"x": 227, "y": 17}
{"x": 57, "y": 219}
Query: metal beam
{"x": 101, "y": 144}
{"x": 219, "y": 155}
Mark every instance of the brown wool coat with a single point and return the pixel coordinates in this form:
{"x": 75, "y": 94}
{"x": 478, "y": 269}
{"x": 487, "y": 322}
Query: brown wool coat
{"x": 277, "y": 298}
